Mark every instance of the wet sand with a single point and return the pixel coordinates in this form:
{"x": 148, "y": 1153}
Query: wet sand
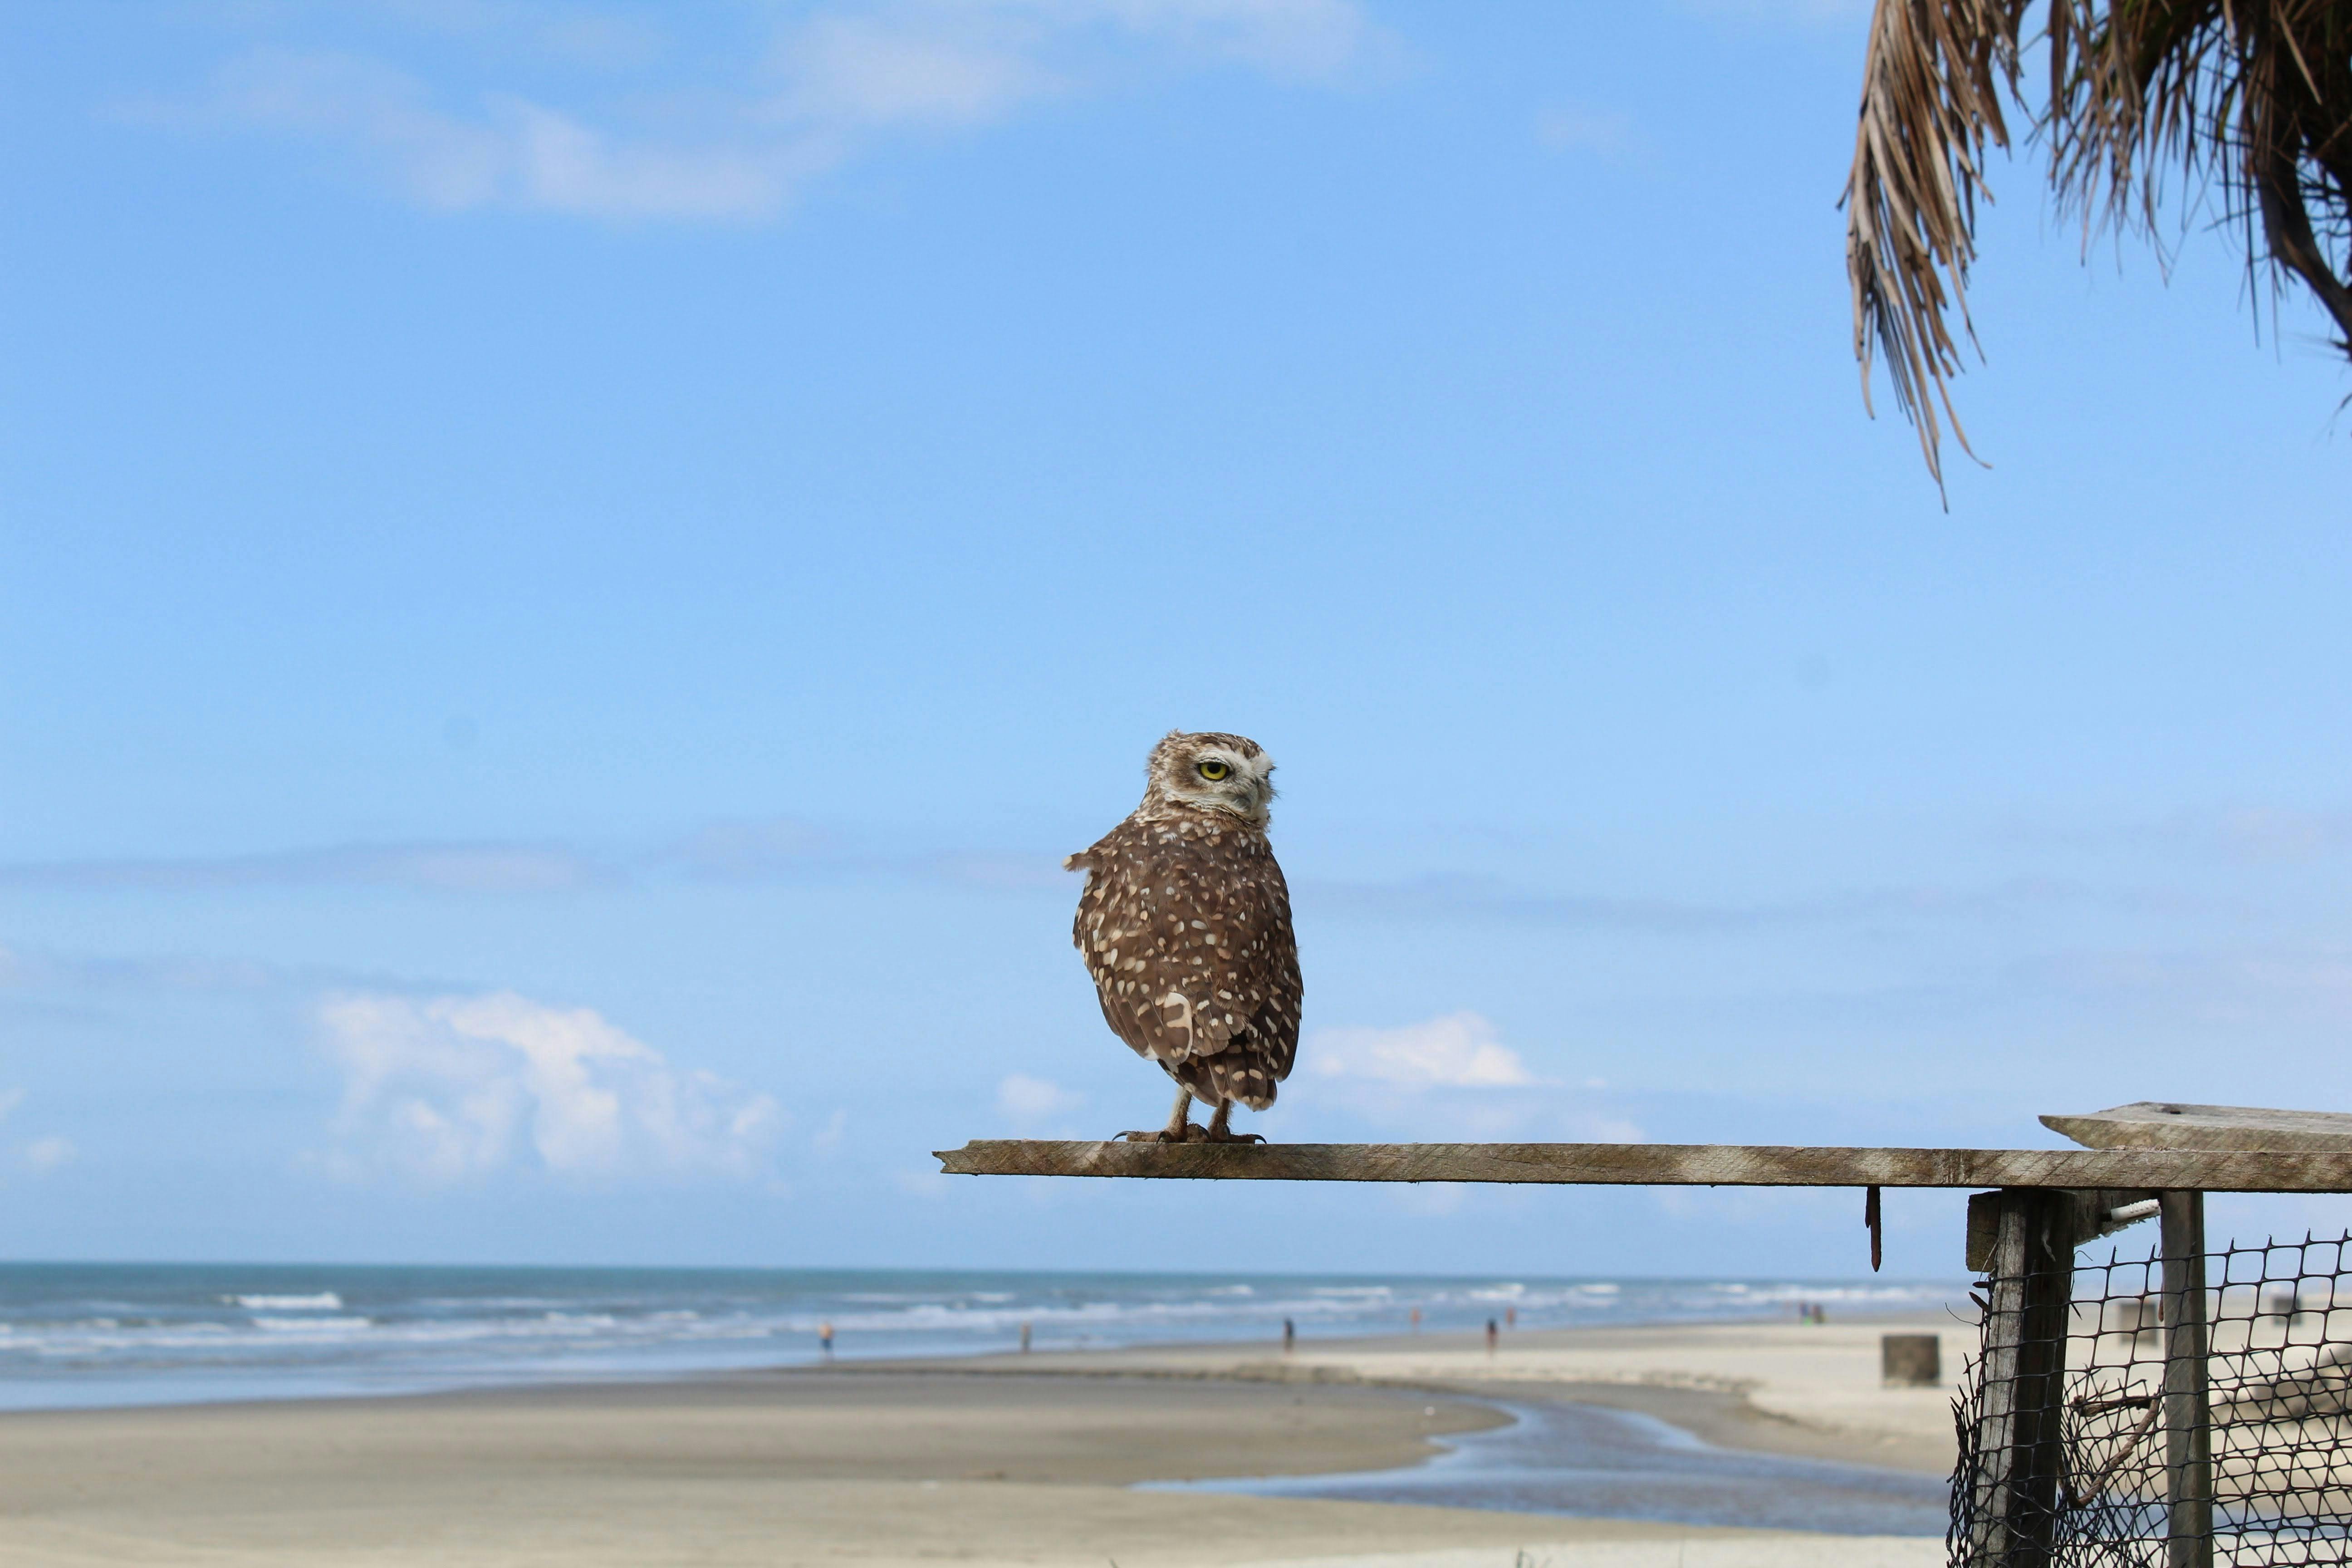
{"x": 975, "y": 1462}
{"x": 1804, "y": 1390}
{"x": 1588, "y": 1462}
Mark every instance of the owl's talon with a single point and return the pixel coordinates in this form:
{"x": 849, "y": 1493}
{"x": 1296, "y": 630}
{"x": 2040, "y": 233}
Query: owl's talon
{"x": 1216, "y": 1137}
{"x": 1193, "y": 1132}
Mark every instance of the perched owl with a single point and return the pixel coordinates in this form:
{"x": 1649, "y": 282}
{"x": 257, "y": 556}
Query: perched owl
{"x": 1185, "y": 926}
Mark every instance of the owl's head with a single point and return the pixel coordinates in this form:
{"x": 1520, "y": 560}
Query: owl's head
{"x": 1211, "y": 772}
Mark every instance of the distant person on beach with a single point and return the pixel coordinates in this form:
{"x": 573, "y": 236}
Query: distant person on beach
{"x": 825, "y": 1339}
{"x": 1492, "y": 1334}
{"x": 1024, "y": 1336}
{"x": 1416, "y": 1319}
{"x": 1510, "y": 1316}
{"x": 1290, "y": 1336}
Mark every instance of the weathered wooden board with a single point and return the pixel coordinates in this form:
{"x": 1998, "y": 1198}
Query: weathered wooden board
{"x": 1664, "y": 1165}
{"x": 2188, "y": 1398}
{"x": 2166, "y": 1124}
{"x": 2081, "y": 1217}
{"x": 2020, "y": 1444}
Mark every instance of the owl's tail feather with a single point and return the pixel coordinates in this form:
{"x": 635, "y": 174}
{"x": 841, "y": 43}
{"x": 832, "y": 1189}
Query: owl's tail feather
{"x": 1230, "y": 1075}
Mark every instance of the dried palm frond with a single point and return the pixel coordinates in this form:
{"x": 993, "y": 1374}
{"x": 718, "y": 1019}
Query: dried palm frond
{"x": 2258, "y": 93}
{"x": 2254, "y": 95}
{"x": 1932, "y": 86}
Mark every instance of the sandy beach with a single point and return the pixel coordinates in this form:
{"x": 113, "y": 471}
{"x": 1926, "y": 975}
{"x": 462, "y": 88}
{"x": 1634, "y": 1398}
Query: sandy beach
{"x": 995, "y": 1460}
{"x": 1811, "y": 1390}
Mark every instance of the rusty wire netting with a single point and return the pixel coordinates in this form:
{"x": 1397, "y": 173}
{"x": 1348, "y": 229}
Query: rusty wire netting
{"x": 2102, "y": 1479}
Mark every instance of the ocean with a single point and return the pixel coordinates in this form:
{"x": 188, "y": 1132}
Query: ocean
{"x": 75, "y": 1334}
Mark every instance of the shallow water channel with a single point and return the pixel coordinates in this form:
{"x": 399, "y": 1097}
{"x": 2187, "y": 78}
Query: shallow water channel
{"x": 1590, "y": 1461}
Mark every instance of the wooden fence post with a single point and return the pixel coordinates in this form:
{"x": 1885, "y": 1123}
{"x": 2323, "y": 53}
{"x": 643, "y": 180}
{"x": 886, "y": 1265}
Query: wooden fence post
{"x": 2020, "y": 1444}
{"x": 2187, "y": 1414}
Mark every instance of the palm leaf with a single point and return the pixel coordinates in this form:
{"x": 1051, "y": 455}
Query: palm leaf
{"x": 2252, "y": 96}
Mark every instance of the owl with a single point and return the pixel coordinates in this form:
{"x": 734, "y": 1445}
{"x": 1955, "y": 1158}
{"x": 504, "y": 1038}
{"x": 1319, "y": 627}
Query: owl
{"x": 1185, "y": 926}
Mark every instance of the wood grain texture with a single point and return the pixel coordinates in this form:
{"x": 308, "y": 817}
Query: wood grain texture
{"x": 1663, "y": 1164}
{"x": 2188, "y": 1406}
{"x": 2020, "y": 1443}
{"x": 2083, "y": 1216}
{"x": 2171, "y": 1124}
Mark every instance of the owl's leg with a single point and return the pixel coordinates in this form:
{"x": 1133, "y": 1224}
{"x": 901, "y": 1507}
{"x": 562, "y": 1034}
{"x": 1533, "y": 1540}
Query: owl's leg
{"x": 1221, "y": 1127}
{"x": 1179, "y": 1128}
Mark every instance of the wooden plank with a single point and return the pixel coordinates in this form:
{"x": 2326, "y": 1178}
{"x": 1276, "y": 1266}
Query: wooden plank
{"x": 2169, "y": 1124}
{"x": 1662, "y": 1164}
{"x": 2188, "y": 1412}
{"x": 2085, "y": 1216}
{"x": 2019, "y": 1442}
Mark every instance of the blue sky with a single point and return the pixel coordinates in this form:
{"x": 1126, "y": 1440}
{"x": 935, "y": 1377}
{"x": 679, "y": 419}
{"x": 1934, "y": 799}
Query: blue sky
{"x": 569, "y": 572}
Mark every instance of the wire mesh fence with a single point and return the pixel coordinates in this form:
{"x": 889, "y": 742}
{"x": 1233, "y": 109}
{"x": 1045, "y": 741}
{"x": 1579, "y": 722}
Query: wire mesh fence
{"x": 2157, "y": 1412}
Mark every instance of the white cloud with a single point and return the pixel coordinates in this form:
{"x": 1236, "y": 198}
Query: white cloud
{"x": 1456, "y": 1052}
{"x": 429, "y": 868}
{"x": 1575, "y": 127}
{"x": 48, "y": 1153}
{"x": 1295, "y": 39}
{"x": 554, "y": 163}
{"x": 556, "y": 29}
{"x": 739, "y": 144}
{"x": 1027, "y": 1100}
{"x": 461, "y": 1087}
{"x": 921, "y": 67}
{"x": 507, "y": 150}
{"x": 2258, "y": 833}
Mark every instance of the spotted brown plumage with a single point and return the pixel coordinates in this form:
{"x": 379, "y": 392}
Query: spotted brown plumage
{"x": 1185, "y": 926}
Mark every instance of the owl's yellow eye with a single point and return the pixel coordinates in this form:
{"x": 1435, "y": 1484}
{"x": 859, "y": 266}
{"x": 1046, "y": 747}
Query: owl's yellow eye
{"x": 1212, "y": 771}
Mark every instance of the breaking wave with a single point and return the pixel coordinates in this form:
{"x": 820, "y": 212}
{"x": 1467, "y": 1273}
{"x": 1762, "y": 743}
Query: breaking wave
{"x": 132, "y": 1334}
